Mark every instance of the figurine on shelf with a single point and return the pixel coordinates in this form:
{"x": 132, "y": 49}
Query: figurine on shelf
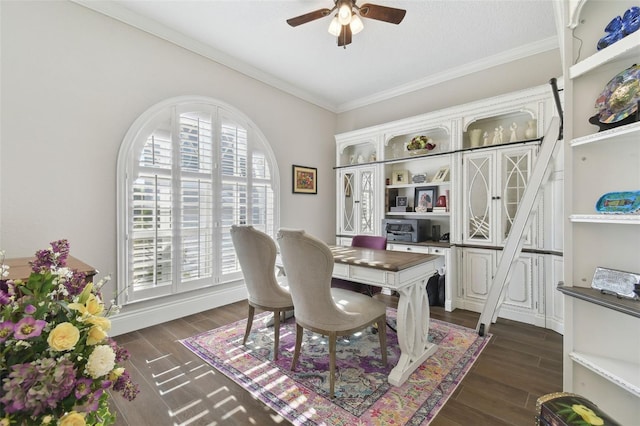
{"x": 497, "y": 135}
{"x": 485, "y": 139}
{"x": 513, "y": 128}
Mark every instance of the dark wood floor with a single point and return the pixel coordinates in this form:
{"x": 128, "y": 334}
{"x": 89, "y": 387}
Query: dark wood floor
{"x": 520, "y": 363}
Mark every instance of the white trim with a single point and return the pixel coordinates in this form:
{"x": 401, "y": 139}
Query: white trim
{"x": 132, "y": 318}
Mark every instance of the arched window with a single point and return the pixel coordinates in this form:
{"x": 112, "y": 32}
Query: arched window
{"x": 188, "y": 169}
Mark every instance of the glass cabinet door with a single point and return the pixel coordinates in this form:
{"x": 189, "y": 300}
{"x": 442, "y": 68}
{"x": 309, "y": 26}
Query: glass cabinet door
{"x": 357, "y": 198}
{"x": 515, "y": 170}
{"x": 495, "y": 182}
{"x": 478, "y": 171}
{"x": 367, "y": 196}
{"x": 347, "y": 222}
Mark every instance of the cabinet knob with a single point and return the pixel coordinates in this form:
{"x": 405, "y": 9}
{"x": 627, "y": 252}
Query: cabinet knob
{"x": 495, "y": 198}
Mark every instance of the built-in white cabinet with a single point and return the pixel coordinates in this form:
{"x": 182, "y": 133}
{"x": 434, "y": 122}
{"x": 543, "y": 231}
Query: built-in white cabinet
{"x": 520, "y": 301}
{"x": 477, "y": 171}
{"x": 357, "y": 198}
{"x": 494, "y": 183}
{"x": 601, "y": 339}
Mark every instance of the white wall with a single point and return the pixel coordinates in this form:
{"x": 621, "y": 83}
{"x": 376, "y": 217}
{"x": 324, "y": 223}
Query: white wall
{"x": 74, "y": 80}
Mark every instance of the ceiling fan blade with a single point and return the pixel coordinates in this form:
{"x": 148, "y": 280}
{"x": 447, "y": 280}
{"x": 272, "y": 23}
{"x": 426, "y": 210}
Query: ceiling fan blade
{"x": 382, "y": 13}
{"x": 345, "y": 36}
{"x": 308, "y": 17}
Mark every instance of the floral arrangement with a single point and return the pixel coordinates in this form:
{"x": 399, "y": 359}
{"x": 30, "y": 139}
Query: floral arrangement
{"x": 421, "y": 142}
{"x": 56, "y": 361}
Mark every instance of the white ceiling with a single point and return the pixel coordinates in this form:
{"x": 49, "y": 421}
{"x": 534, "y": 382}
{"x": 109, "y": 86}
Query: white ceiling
{"x": 437, "y": 40}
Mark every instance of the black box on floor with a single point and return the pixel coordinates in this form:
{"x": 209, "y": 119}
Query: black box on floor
{"x": 564, "y": 409}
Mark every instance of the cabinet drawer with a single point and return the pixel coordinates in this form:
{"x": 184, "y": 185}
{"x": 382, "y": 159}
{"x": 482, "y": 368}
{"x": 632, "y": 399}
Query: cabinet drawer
{"x": 406, "y": 247}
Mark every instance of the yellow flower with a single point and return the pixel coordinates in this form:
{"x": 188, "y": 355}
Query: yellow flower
{"x": 5, "y": 421}
{"x": 96, "y": 335}
{"x": 588, "y": 415}
{"x": 72, "y": 419}
{"x": 47, "y": 419}
{"x": 117, "y": 372}
{"x": 91, "y": 306}
{"x": 102, "y": 322}
{"x": 64, "y": 337}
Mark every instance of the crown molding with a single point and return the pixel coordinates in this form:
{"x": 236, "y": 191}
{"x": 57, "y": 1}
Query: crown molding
{"x": 530, "y": 49}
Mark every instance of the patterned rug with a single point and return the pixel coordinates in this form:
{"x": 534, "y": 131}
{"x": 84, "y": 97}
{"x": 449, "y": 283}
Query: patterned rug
{"x": 362, "y": 394}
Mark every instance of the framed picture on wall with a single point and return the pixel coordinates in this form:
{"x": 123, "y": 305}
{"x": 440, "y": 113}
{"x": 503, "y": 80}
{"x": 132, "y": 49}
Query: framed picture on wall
{"x": 305, "y": 180}
{"x": 425, "y": 198}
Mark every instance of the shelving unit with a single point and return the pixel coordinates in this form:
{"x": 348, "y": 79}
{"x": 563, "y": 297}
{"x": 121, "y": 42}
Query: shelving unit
{"x": 601, "y": 342}
{"x": 528, "y": 299}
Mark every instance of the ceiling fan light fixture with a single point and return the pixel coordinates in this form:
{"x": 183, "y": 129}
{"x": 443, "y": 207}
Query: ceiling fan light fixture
{"x": 334, "y": 27}
{"x": 356, "y": 24}
{"x": 344, "y": 12}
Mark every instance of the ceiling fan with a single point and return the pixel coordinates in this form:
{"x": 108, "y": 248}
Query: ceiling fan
{"x": 346, "y": 21}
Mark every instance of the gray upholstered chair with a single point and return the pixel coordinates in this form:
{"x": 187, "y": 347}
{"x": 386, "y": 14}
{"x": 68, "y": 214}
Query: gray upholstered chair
{"x": 308, "y": 263}
{"x": 256, "y": 253}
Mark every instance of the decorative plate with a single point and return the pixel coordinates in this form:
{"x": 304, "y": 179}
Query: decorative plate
{"x": 620, "y": 97}
{"x": 619, "y": 202}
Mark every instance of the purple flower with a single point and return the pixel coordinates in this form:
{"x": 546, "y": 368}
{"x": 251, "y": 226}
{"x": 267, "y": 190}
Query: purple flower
{"x": 6, "y": 330}
{"x": 121, "y": 353}
{"x": 91, "y": 405}
{"x": 126, "y": 387}
{"x": 5, "y": 294}
{"x": 76, "y": 283}
{"x": 29, "y": 309}
{"x": 83, "y": 387}
{"x": 28, "y": 327}
{"x": 35, "y": 387}
{"x": 55, "y": 257}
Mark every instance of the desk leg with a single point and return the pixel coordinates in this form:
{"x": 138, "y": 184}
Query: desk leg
{"x": 413, "y": 331}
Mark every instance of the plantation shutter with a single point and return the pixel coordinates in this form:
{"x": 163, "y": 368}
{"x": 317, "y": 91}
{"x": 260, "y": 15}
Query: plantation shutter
{"x": 200, "y": 170}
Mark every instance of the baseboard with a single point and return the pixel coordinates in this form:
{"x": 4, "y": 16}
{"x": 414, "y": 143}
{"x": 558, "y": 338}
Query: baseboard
{"x": 132, "y": 319}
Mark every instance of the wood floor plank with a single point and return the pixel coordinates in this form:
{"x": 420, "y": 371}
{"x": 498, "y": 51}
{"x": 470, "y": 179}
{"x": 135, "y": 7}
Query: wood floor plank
{"x": 177, "y": 387}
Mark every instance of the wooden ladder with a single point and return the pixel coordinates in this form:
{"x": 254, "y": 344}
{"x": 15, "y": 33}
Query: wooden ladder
{"x": 513, "y": 245}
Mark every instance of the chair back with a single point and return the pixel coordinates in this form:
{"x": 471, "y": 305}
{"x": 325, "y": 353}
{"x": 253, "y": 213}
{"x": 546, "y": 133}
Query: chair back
{"x": 369, "y": 241}
{"x": 308, "y": 264}
{"x": 256, "y": 253}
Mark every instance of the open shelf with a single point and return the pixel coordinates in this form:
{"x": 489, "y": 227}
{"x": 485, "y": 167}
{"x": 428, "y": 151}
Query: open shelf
{"x": 626, "y": 48}
{"x": 623, "y": 219}
{"x": 628, "y": 132}
{"x": 624, "y": 374}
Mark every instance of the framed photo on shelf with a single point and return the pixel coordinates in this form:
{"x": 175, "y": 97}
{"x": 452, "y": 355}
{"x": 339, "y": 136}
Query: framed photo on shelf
{"x": 425, "y": 198}
{"x": 305, "y": 180}
{"x": 400, "y": 177}
{"x": 402, "y": 201}
{"x": 442, "y": 175}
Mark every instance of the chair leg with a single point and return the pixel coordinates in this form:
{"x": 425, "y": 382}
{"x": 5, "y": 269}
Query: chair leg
{"x": 252, "y": 311}
{"x": 332, "y": 363}
{"x": 296, "y": 352}
{"x": 382, "y": 335}
{"x": 276, "y": 334}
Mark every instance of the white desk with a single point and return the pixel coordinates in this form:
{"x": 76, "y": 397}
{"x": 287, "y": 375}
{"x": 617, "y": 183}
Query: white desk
{"x": 407, "y": 273}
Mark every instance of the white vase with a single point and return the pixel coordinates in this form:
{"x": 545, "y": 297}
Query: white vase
{"x": 532, "y": 129}
{"x": 474, "y": 137}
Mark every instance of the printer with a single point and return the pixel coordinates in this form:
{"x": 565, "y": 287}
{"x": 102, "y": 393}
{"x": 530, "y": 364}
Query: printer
{"x": 409, "y": 230}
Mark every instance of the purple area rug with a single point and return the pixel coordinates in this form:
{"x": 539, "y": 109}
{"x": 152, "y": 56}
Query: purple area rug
{"x": 362, "y": 394}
